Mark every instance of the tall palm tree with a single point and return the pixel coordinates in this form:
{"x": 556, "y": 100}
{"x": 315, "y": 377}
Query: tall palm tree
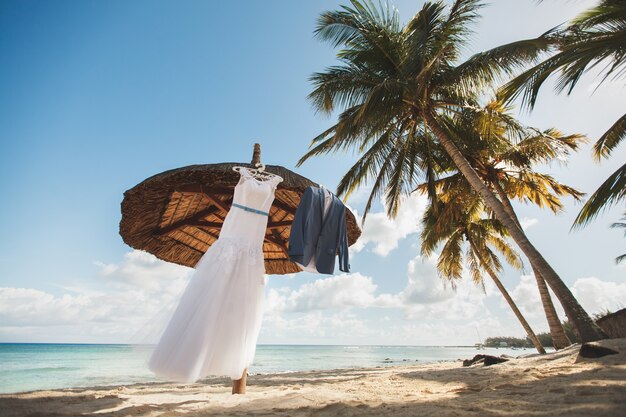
{"x": 597, "y": 36}
{"x": 623, "y": 226}
{"x": 458, "y": 221}
{"x": 396, "y": 83}
{"x": 503, "y": 153}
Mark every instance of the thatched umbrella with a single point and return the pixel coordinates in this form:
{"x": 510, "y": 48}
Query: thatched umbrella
{"x": 177, "y": 214}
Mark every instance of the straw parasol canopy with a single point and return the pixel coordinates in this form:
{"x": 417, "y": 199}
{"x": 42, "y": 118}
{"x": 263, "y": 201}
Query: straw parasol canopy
{"x": 177, "y": 214}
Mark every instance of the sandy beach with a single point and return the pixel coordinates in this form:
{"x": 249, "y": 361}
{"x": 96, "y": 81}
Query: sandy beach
{"x": 556, "y": 384}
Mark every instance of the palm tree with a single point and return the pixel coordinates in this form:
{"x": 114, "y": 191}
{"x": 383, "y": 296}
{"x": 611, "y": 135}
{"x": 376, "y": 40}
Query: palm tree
{"x": 396, "y": 85}
{"x": 623, "y": 226}
{"x": 503, "y": 153}
{"x": 596, "y": 36}
{"x": 458, "y": 220}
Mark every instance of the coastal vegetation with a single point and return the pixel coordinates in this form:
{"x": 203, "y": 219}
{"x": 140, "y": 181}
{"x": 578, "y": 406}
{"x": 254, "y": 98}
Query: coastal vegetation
{"x": 512, "y": 342}
{"x": 504, "y": 154}
{"x": 458, "y": 219}
{"x": 412, "y": 109}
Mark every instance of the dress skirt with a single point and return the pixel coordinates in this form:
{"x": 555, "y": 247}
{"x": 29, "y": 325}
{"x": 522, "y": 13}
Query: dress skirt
{"x": 215, "y": 326}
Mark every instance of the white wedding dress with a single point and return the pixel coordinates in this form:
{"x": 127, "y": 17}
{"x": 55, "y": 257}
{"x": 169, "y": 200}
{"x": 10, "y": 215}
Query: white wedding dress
{"x": 216, "y": 324}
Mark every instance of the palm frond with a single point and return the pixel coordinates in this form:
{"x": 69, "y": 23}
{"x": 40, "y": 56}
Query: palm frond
{"x": 490, "y": 67}
{"x": 396, "y": 186}
{"x": 610, "y": 139}
{"x": 433, "y": 230}
{"x": 617, "y": 225}
{"x": 421, "y": 32}
{"x": 539, "y": 189}
{"x": 610, "y": 192}
{"x": 431, "y": 173}
{"x": 359, "y": 22}
{"x": 475, "y": 266}
{"x": 512, "y": 257}
{"x": 450, "y": 263}
{"x": 607, "y": 13}
{"x": 344, "y": 86}
{"x": 377, "y": 189}
{"x": 361, "y": 26}
{"x": 367, "y": 166}
{"x": 528, "y": 83}
{"x": 542, "y": 147}
{"x": 594, "y": 37}
{"x": 450, "y": 36}
{"x": 462, "y": 14}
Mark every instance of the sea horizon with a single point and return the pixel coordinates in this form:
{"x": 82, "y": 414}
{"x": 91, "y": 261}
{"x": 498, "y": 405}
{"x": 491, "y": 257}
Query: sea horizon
{"x": 258, "y": 344}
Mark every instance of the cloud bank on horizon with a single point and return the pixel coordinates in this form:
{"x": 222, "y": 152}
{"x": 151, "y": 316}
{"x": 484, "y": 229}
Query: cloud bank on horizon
{"x": 142, "y": 290}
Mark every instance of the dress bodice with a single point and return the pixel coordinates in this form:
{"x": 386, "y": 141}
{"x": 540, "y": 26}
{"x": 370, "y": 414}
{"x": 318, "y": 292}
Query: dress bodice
{"x": 254, "y": 194}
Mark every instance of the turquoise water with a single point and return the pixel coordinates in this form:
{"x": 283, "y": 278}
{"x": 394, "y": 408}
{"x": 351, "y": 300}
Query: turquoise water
{"x": 26, "y": 366}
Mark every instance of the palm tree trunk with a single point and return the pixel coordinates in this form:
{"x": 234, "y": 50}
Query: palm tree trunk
{"x": 587, "y": 329}
{"x": 529, "y": 331}
{"x": 559, "y": 338}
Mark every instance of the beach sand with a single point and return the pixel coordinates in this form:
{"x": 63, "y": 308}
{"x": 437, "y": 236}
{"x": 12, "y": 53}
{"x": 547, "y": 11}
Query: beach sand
{"x": 555, "y": 384}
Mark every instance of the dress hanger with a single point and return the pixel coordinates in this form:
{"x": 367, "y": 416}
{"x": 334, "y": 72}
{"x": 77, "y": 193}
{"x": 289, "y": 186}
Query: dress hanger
{"x": 258, "y": 172}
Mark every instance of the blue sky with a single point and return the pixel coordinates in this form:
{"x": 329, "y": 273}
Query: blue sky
{"x": 97, "y": 96}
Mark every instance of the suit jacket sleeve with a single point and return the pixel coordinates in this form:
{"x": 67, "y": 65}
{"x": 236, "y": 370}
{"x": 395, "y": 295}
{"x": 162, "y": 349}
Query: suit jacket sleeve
{"x": 296, "y": 236}
{"x": 344, "y": 264}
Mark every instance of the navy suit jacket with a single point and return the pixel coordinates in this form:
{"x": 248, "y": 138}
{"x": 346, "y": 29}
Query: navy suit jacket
{"x": 319, "y": 236}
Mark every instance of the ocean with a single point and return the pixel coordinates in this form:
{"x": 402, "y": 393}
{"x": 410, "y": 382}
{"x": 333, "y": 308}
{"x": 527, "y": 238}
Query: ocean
{"x": 37, "y": 366}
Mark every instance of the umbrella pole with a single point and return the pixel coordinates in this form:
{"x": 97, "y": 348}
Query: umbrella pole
{"x": 239, "y": 385}
{"x": 256, "y": 154}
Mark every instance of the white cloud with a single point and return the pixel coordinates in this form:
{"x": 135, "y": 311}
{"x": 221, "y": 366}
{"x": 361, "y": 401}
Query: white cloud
{"x": 424, "y": 284}
{"x": 384, "y": 233}
{"x": 139, "y": 291}
{"x": 424, "y": 296}
{"x": 432, "y": 332}
{"x": 346, "y": 328}
{"x": 427, "y": 297}
{"x": 28, "y": 307}
{"x": 609, "y": 86}
{"x": 528, "y": 222}
{"x": 141, "y": 269}
{"x": 596, "y": 295}
{"x": 526, "y": 296}
{"x": 314, "y": 327}
{"x": 360, "y": 195}
{"x": 592, "y": 293}
{"x": 99, "y": 314}
{"x": 340, "y": 291}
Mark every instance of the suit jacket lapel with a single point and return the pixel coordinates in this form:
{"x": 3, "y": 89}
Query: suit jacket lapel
{"x": 321, "y": 196}
{"x": 330, "y": 207}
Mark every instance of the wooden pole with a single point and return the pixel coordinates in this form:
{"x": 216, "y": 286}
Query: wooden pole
{"x": 239, "y": 385}
{"x": 256, "y": 154}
